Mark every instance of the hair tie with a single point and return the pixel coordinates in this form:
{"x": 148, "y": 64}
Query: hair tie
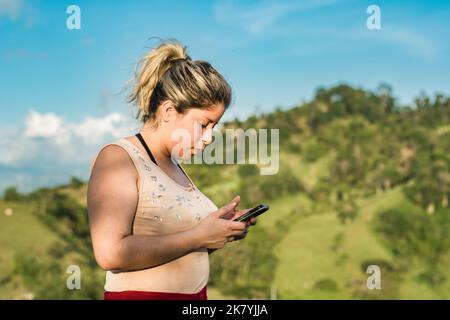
{"x": 178, "y": 59}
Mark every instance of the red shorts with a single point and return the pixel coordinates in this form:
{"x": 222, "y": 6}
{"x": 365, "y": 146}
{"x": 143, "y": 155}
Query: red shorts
{"x": 147, "y": 295}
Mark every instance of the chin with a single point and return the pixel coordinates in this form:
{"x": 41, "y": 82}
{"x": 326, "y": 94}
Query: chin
{"x": 187, "y": 154}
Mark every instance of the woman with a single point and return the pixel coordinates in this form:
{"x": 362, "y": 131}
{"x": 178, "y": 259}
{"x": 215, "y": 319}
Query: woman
{"x": 151, "y": 228}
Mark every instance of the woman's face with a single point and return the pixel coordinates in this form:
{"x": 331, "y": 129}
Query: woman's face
{"x": 196, "y": 127}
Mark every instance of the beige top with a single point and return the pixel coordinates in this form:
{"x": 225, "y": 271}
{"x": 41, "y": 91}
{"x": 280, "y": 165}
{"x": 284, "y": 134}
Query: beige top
{"x": 164, "y": 207}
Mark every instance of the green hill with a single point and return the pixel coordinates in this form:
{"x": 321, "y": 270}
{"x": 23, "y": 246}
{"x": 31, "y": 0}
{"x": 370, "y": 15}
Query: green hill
{"x": 362, "y": 181}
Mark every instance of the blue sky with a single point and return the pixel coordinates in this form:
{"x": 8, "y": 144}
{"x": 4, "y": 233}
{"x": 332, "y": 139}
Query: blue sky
{"x": 61, "y": 89}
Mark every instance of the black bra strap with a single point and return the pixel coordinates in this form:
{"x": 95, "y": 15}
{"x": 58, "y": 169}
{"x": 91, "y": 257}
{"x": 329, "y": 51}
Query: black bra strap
{"x": 141, "y": 139}
{"x": 139, "y": 136}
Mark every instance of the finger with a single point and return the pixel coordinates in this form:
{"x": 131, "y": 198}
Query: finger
{"x": 238, "y": 225}
{"x": 223, "y": 211}
{"x": 237, "y": 199}
{"x": 229, "y": 215}
{"x": 227, "y": 209}
{"x": 242, "y": 235}
{"x": 253, "y": 221}
{"x": 237, "y": 233}
{"x": 234, "y": 215}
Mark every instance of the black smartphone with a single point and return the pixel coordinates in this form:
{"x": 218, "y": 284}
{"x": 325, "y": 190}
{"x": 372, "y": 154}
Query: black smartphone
{"x": 254, "y": 212}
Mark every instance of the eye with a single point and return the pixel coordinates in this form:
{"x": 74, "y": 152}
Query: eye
{"x": 204, "y": 126}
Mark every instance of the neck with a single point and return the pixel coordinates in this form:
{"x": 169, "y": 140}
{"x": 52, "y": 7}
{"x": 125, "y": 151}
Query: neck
{"x": 153, "y": 138}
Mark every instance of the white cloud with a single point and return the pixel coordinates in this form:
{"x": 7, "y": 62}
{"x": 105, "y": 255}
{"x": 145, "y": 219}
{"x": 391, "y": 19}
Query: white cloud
{"x": 42, "y": 125}
{"x": 406, "y": 38}
{"x": 11, "y": 8}
{"x": 50, "y": 136}
{"x": 256, "y": 18}
{"x": 94, "y": 130}
{"x": 90, "y": 131}
{"x": 50, "y": 147}
{"x": 13, "y": 146}
{"x": 414, "y": 42}
{"x": 261, "y": 17}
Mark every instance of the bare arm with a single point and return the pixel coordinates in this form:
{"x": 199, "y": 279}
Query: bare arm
{"x": 112, "y": 200}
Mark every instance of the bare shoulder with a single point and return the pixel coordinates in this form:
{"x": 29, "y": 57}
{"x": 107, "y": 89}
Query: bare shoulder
{"x": 114, "y": 158}
{"x": 113, "y": 175}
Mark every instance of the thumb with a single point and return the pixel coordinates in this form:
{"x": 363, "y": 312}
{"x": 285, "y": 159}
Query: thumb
{"x": 227, "y": 208}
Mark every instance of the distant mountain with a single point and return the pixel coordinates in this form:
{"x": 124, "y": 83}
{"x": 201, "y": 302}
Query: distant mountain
{"x": 28, "y": 178}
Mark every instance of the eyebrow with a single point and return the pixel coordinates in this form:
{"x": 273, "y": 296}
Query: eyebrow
{"x": 210, "y": 120}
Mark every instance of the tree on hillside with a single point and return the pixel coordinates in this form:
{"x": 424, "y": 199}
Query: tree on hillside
{"x": 384, "y": 91}
{"x": 430, "y": 187}
{"x": 343, "y": 100}
{"x": 12, "y": 194}
{"x": 346, "y": 210}
{"x": 75, "y": 182}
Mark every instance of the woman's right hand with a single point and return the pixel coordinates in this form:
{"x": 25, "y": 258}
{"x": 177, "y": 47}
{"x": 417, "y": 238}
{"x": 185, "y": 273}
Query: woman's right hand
{"x": 214, "y": 231}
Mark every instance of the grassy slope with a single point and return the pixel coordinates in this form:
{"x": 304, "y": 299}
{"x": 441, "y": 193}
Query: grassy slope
{"x": 313, "y": 258}
{"x": 20, "y": 234}
{"x": 305, "y": 254}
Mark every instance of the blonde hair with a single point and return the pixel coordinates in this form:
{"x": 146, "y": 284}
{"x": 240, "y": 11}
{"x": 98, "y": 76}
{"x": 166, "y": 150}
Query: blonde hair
{"x": 168, "y": 72}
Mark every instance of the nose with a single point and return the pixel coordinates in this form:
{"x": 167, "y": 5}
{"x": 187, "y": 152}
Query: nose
{"x": 207, "y": 136}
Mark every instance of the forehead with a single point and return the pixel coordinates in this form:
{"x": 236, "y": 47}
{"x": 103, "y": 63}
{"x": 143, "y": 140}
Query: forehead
{"x": 214, "y": 112}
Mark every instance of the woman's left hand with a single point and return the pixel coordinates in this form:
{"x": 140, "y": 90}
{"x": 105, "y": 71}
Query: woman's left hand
{"x": 250, "y": 222}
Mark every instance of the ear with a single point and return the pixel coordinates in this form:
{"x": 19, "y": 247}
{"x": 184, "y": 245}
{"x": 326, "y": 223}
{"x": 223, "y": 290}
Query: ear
{"x": 168, "y": 111}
